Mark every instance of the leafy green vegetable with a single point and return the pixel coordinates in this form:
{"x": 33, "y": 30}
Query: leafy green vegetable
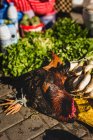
{"x": 71, "y": 40}
{"x": 34, "y": 20}
{"x": 26, "y": 20}
{"x": 67, "y": 39}
{"x": 28, "y": 54}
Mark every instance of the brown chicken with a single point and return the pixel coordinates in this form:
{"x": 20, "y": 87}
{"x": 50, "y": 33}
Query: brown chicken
{"x": 43, "y": 90}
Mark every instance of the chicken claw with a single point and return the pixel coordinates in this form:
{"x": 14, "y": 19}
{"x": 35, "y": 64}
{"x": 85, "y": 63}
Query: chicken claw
{"x": 7, "y": 102}
{"x": 12, "y": 106}
{"x": 12, "y": 109}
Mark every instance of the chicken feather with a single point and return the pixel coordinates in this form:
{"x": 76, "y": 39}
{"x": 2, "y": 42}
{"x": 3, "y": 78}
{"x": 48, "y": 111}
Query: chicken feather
{"x": 44, "y": 90}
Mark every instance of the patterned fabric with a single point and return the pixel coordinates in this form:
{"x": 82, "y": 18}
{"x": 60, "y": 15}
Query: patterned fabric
{"x": 63, "y": 5}
{"x": 41, "y": 7}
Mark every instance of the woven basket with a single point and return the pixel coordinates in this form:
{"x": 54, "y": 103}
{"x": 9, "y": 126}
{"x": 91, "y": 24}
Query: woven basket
{"x": 63, "y": 5}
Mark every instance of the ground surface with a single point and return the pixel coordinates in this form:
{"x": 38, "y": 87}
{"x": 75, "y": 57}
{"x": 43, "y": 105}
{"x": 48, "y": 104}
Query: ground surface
{"x": 31, "y": 125}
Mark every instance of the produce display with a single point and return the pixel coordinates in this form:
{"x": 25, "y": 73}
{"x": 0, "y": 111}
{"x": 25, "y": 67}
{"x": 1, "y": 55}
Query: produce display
{"x": 75, "y": 49}
{"x": 80, "y": 83}
{"x": 66, "y": 39}
{"x": 71, "y": 40}
{"x": 35, "y": 20}
{"x": 28, "y": 54}
{"x": 45, "y": 90}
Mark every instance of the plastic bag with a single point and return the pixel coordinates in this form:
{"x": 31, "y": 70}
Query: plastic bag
{"x": 85, "y": 110}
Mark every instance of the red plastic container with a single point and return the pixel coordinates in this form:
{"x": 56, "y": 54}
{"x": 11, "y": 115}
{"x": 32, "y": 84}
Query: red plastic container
{"x": 40, "y": 7}
{"x": 32, "y": 28}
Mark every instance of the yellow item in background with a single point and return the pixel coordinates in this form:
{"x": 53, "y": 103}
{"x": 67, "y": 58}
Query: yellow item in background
{"x": 85, "y": 110}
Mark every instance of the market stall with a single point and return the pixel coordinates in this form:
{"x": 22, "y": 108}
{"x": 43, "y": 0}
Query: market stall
{"x": 51, "y": 67}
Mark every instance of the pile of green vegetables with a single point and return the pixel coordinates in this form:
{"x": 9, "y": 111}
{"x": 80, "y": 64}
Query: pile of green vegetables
{"x": 28, "y": 54}
{"x": 71, "y": 40}
{"x": 66, "y": 38}
{"x": 35, "y": 20}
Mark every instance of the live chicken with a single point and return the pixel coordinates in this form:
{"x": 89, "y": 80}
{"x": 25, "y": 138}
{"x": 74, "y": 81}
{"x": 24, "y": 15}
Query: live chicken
{"x": 44, "y": 90}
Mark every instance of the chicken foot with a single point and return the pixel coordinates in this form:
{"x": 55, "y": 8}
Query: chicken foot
{"x": 12, "y": 109}
{"x": 12, "y": 106}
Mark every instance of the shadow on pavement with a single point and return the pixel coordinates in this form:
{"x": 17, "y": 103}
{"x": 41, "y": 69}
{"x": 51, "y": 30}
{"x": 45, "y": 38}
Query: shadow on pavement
{"x": 58, "y": 134}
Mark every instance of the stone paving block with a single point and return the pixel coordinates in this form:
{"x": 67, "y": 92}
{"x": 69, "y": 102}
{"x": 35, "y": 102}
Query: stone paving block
{"x": 26, "y": 112}
{"x": 57, "y": 133}
{"x": 5, "y": 91}
{"x": 63, "y": 125}
{"x": 58, "y": 127}
{"x": 50, "y": 121}
{"x": 72, "y": 125}
{"x": 77, "y": 129}
{"x": 1, "y": 110}
{"x": 40, "y": 137}
{"x": 8, "y": 121}
{"x": 28, "y": 129}
{"x": 92, "y": 135}
{"x": 81, "y": 132}
{"x": 3, "y": 136}
{"x": 87, "y": 138}
{"x": 2, "y": 86}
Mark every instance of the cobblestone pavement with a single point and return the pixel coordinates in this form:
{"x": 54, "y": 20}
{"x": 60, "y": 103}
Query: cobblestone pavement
{"x": 28, "y": 124}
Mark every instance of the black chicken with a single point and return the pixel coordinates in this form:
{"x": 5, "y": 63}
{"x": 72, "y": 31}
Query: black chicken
{"x": 43, "y": 89}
